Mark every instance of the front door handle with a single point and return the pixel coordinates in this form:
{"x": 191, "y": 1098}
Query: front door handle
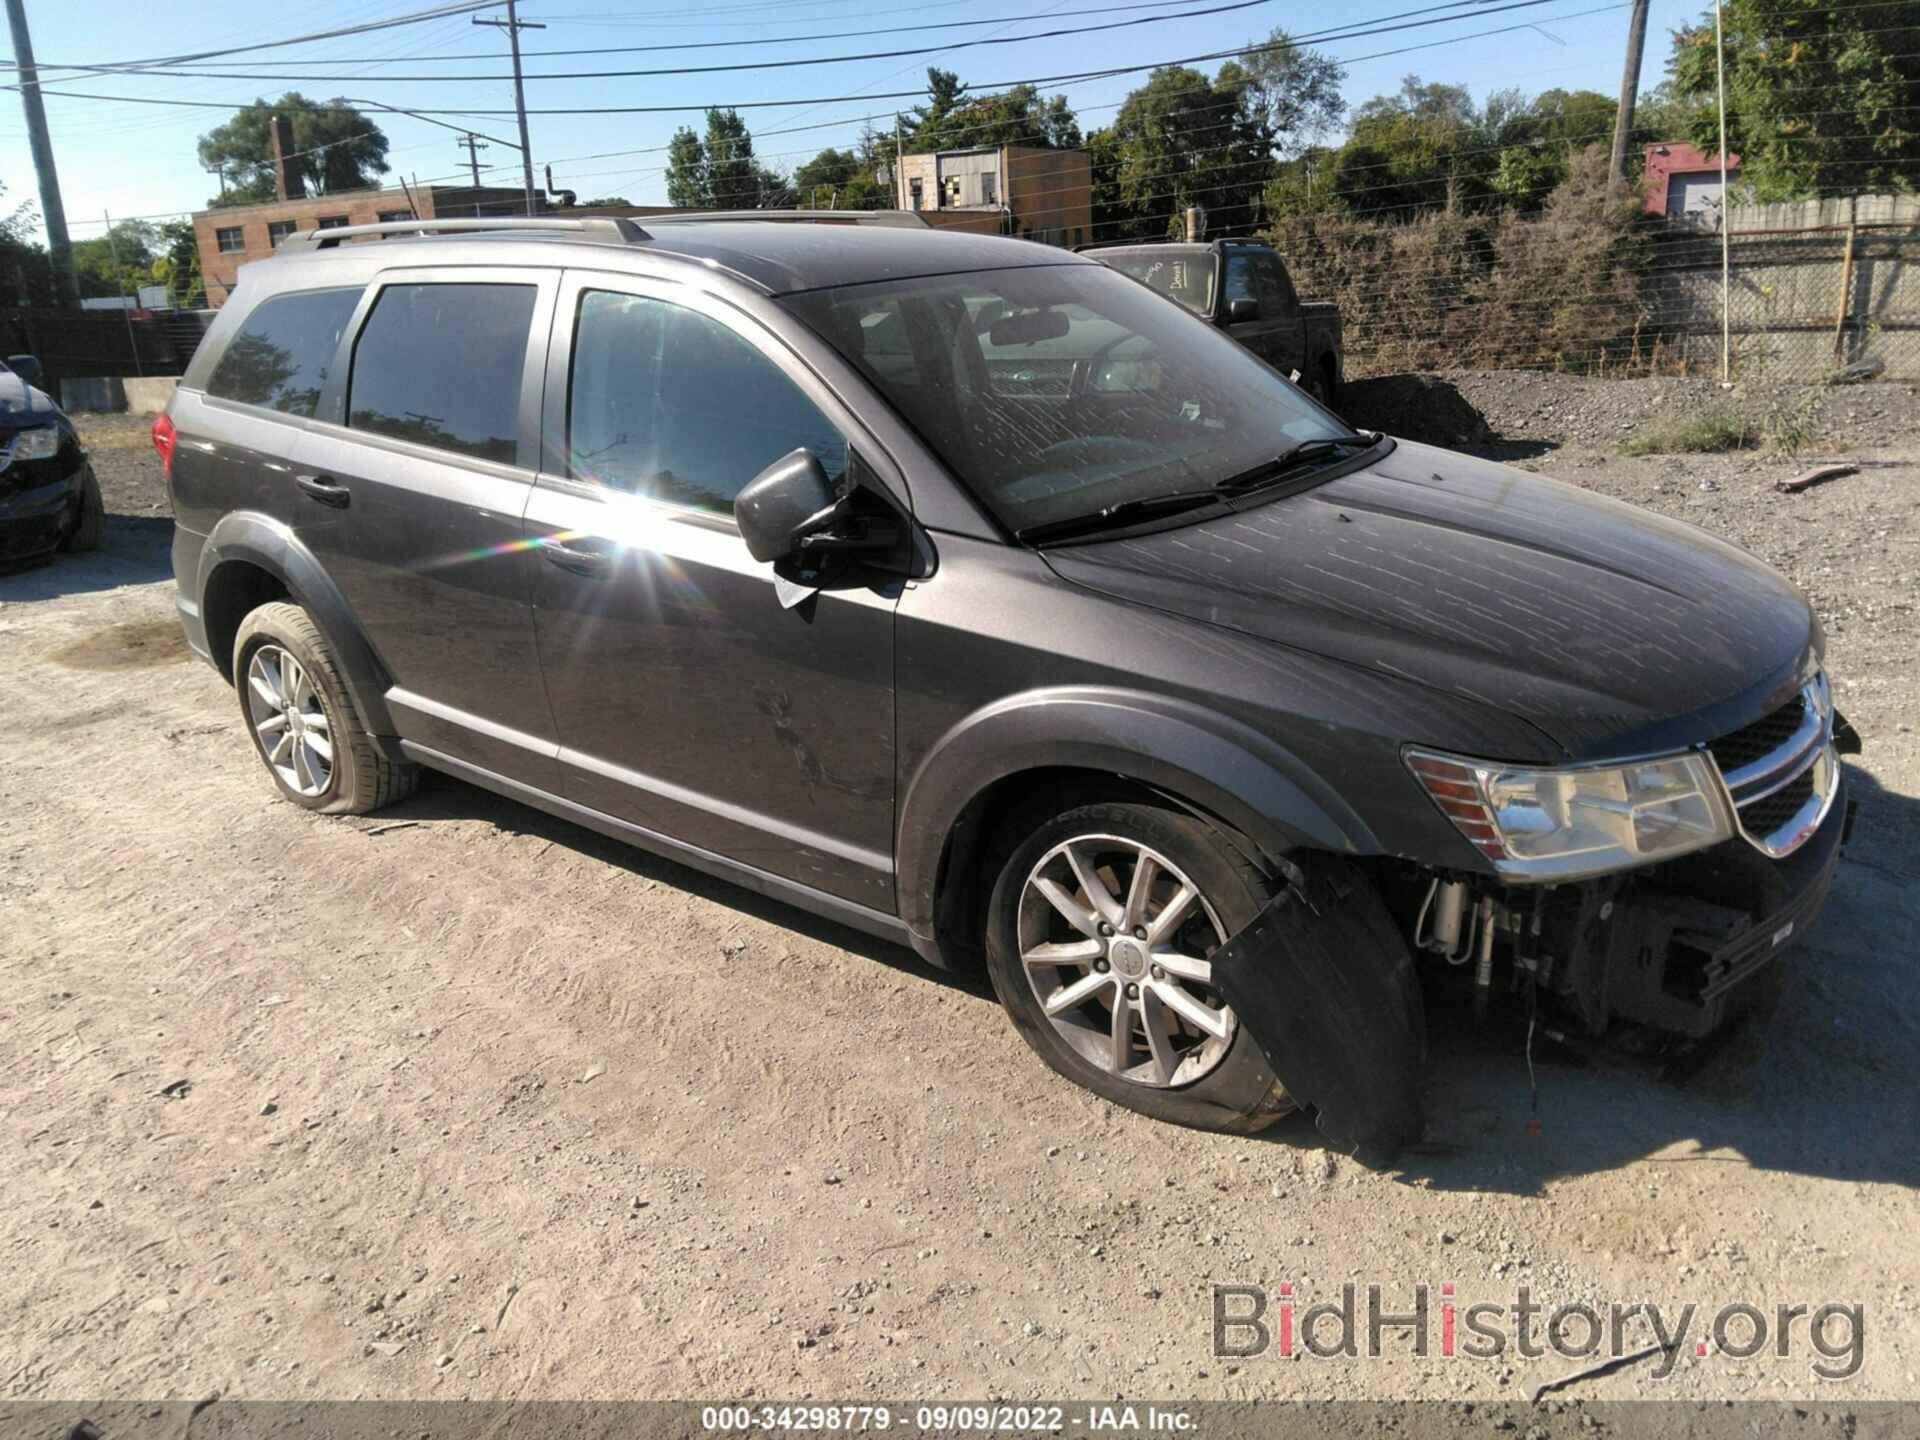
{"x": 324, "y": 490}
{"x": 590, "y": 563}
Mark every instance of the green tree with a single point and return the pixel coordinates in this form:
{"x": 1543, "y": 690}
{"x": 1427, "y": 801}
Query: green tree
{"x": 337, "y": 148}
{"x": 840, "y": 179}
{"x": 1821, "y": 98}
{"x": 118, "y": 262}
{"x": 607, "y": 200}
{"x": 1183, "y": 139}
{"x": 718, "y": 171}
{"x": 1019, "y": 116}
{"x": 1295, "y": 92}
{"x": 26, "y": 272}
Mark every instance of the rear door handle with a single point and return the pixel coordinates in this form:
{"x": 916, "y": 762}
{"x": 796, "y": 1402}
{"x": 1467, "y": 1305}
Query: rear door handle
{"x": 324, "y": 490}
{"x": 590, "y": 563}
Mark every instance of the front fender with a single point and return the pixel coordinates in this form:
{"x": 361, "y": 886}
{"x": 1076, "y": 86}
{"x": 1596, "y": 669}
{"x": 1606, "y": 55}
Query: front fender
{"x": 1200, "y": 756}
{"x": 248, "y": 537}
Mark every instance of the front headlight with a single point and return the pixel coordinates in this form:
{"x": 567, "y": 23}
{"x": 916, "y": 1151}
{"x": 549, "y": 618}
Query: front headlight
{"x": 1567, "y": 824}
{"x": 41, "y": 443}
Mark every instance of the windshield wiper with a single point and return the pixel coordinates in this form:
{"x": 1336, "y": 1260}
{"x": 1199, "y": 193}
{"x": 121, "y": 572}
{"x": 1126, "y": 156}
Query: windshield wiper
{"x": 1122, "y": 512}
{"x": 1290, "y": 459}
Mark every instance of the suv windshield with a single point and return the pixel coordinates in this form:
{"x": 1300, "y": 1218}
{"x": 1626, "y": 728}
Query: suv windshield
{"x": 1185, "y": 276}
{"x": 1058, "y": 392}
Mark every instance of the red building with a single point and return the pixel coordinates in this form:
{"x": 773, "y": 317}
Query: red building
{"x": 1679, "y": 179}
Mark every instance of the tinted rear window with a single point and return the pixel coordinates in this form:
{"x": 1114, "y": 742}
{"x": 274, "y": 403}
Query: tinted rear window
{"x": 280, "y": 357}
{"x": 441, "y": 365}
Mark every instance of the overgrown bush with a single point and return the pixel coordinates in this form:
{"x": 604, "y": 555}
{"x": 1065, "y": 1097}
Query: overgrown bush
{"x": 1560, "y": 290}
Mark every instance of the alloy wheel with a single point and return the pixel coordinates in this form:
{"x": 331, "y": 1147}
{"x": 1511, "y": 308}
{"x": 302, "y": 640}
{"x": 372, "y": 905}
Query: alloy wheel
{"x": 290, "y": 721}
{"x": 1114, "y": 940}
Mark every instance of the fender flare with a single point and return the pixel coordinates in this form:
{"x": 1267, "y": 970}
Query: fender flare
{"x": 249, "y": 537}
{"x": 1194, "y": 754}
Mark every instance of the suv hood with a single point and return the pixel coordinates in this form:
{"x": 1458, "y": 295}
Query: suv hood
{"x": 1611, "y": 629}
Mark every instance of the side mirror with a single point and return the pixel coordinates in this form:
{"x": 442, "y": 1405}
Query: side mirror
{"x": 1245, "y": 308}
{"x": 785, "y": 502}
{"x": 26, "y": 367}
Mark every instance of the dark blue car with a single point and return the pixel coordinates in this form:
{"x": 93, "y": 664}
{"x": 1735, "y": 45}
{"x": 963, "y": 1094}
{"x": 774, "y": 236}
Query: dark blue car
{"x": 49, "y": 499}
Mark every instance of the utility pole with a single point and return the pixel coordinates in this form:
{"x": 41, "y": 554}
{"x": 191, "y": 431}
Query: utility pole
{"x": 1629, "y": 93}
{"x": 1726, "y": 280}
{"x": 52, "y": 212}
{"x": 473, "y": 145}
{"x": 513, "y": 25}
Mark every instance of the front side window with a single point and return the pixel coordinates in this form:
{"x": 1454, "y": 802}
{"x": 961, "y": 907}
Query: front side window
{"x": 1057, "y": 391}
{"x": 441, "y": 365}
{"x": 231, "y": 239}
{"x": 279, "y": 358}
{"x": 671, "y": 404}
{"x": 1276, "y": 292}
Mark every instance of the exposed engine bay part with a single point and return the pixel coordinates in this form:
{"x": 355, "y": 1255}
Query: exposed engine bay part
{"x": 1670, "y": 947}
{"x": 1325, "y": 983}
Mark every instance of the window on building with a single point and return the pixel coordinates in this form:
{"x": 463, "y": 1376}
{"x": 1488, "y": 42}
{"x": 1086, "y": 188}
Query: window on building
{"x": 668, "y": 403}
{"x": 230, "y": 239}
{"x": 389, "y": 217}
{"x": 330, "y": 222}
{"x": 916, "y": 191}
{"x": 281, "y": 356}
{"x": 278, "y": 230}
{"x": 989, "y": 189}
{"x": 404, "y": 386}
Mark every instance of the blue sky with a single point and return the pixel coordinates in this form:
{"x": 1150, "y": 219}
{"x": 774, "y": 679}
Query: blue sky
{"x": 139, "y": 160}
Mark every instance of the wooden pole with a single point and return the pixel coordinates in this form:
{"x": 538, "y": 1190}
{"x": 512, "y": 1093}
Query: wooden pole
{"x": 1846, "y": 285}
{"x": 1726, "y": 267}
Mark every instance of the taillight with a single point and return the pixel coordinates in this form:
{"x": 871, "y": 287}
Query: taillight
{"x": 163, "y": 438}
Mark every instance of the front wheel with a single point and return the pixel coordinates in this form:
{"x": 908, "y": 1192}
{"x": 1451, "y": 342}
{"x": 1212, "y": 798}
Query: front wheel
{"x": 1099, "y": 928}
{"x": 90, "y": 519}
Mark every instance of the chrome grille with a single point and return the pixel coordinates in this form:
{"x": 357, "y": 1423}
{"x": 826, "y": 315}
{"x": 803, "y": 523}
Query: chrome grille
{"x": 1761, "y": 738}
{"x": 1781, "y": 771}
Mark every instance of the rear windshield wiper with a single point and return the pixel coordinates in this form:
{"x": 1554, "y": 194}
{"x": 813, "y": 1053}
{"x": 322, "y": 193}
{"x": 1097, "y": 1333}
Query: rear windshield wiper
{"x": 1292, "y": 458}
{"x": 1121, "y": 512}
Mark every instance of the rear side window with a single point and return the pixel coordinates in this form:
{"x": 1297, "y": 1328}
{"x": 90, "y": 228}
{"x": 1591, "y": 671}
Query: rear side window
{"x": 668, "y": 403}
{"x": 280, "y": 357}
{"x": 441, "y": 365}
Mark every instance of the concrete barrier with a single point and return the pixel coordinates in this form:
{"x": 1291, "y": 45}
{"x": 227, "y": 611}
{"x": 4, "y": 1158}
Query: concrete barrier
{"x": 111, "y": 394}
{"x": 101, "y": 393}
{"x": 148, "y": 395}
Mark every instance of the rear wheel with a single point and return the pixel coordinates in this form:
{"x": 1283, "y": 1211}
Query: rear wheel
{"x": 1099, "y": 929}
{"x": 303, "y": 726}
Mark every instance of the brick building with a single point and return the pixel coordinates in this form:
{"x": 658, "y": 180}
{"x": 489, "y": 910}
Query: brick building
{"x": 234, "y": 234}
{"x": 1018, "y": 190}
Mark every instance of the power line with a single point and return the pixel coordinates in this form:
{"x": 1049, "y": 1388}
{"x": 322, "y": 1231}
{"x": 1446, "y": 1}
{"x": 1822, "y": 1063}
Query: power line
{"x": 697, "y": 44}
{"x": 1220, "y": 9}
{"x": 989, "y": 85}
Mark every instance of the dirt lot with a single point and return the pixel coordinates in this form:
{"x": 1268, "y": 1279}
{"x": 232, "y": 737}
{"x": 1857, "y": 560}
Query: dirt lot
{"x": 458, "y": 1100}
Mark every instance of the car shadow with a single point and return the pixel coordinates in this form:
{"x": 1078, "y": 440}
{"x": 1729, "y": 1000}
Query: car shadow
{"x": 1814, "y": 1089}
{"x": 1818, "y": 1087}
{"x": 1432, "y": 411}
{"x": 443, "y": 797}
{"x": 134, "y": 550}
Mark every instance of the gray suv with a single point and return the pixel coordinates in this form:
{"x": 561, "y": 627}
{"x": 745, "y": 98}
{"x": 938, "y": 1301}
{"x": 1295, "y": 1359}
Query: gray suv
{"x": 967, "y": 592}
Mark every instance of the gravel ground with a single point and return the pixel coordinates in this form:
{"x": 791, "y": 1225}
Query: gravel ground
{"x": 458, "y": 1100}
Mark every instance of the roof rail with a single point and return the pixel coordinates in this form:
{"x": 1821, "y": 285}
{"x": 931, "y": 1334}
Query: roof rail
{"x": 898, "y": 219}
{"x": 1133, "y": 244}
{"x": 610, "y": 227}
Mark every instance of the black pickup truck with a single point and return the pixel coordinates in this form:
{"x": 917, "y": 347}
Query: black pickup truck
{"x": 1243, "y": 287}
